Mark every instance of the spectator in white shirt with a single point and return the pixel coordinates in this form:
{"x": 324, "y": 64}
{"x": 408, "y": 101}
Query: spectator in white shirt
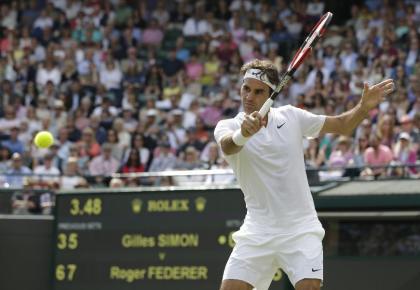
{"x": 71, "y": 178}
{"x": 43, "y": 21}
{"x": 190, "y": 28}
{"x": 47, "y": 169}
{"x": 73, "y": 8}
{"x": 111, "y": 76}
{"x": 8, "y": 17}
{"x": 239, "y": 4}
{"x": 106, "y": 106}
{"x": 9, "y": 120}
{"x": 48, "y": 72}
{"x": 315, "y": 8}
{"x": 104, "y": 164}
{"x": 348, "y": 57}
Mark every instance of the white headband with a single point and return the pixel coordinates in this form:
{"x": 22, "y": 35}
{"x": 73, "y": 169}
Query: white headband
{"x": 254, "y": 73}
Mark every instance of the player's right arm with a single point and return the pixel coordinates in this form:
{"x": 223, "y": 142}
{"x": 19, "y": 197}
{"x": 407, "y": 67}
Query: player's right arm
{"x": 230, "y": 139}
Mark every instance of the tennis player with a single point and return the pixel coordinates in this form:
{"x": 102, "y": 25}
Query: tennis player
{"x": 281, "y": 227}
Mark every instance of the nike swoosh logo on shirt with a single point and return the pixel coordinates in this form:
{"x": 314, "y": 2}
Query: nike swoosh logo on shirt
{"x": 279, "y": 126}
{"x": 316, "y": 270}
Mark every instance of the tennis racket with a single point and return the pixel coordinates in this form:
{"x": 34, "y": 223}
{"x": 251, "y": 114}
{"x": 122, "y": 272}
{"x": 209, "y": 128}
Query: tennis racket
{"x": 307, "y": 46}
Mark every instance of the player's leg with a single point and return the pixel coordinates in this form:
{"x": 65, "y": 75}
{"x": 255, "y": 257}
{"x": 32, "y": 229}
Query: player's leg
{"x": 249, "y": 265}
{"x": 262, "y": 284}
{"x": 301, "y": 258}
{"x": 308, "y": 284}
{"x": 232, "y": 284}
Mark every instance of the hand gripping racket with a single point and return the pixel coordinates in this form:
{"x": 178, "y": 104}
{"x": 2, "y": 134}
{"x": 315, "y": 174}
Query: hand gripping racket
{"x": 297, "y": 60}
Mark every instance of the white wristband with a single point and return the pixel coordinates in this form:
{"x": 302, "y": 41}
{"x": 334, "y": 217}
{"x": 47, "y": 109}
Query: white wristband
{"x": 238, "y": 138}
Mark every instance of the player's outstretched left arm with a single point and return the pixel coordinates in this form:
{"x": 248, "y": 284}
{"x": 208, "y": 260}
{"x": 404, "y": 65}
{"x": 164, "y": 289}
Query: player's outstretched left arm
{"x": 345, "y": 123}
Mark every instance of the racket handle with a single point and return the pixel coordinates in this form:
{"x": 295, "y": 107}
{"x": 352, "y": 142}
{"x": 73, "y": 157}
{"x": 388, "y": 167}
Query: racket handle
{"x": 266, "y": 107}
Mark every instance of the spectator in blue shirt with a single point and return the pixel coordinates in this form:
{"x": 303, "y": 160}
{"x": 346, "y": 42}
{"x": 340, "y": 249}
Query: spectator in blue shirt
{"x": 13, "y": 143}
{"x": 15, "y": 175}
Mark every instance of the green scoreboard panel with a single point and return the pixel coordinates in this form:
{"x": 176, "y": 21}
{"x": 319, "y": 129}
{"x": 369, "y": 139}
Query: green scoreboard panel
{"x": 166, "y": 240}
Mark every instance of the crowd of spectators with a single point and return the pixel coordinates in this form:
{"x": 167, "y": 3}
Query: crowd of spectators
{"x": 389, "y": 238}
{"x": 138, "y": 86}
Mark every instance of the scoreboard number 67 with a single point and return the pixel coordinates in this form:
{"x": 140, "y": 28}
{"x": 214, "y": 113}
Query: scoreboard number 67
{"x": 65, "y": 272}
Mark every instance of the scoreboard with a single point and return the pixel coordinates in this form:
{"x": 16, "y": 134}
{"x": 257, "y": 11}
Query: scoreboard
{"x": 154, "y": 239}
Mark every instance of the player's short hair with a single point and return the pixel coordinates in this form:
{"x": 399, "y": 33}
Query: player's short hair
{"x": 266, "y": 66}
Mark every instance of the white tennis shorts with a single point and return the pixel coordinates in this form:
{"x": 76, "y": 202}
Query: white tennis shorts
{"x": 255, "y": 259}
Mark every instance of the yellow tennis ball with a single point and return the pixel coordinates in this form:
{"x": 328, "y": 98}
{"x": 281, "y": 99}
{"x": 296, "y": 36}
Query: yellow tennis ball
{"x": 44, "y": 139}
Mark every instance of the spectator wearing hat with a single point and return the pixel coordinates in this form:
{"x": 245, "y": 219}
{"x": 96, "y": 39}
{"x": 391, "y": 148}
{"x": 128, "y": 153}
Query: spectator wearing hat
{"x": 408, "y": 126}
{"x": 16, "y": 172}
{"x": 104, "y": 164}
{"x": 59, "y": 114}
{"x": 404, "y": 153}
{"x": 151, "y": 122}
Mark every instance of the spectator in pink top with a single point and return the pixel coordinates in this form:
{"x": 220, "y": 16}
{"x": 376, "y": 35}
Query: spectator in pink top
{"x": 377, "y": 155}
{"x": 212, "y": 113}
{"x": 342, "y": 155}
{"x": 194, "y": 68}
{"x": 153, "y": 35}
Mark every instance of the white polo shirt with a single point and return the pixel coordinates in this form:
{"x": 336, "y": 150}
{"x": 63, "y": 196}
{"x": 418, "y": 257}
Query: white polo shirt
{"x": 271, "y": 172}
